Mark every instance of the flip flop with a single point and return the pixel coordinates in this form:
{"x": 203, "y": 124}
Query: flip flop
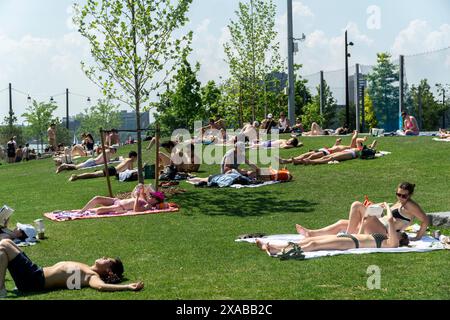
{"x": 295, "y": 253}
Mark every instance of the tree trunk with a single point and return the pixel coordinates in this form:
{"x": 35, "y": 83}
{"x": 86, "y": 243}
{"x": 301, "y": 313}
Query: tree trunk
{"x": 137, "y": 97}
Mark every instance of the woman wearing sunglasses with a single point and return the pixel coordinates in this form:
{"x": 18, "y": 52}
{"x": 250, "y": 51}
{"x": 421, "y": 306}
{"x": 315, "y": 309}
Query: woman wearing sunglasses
{"x": 403, "y": 211}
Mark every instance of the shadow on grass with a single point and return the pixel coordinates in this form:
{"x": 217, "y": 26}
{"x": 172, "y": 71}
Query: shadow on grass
{"x": 240, "y": 203}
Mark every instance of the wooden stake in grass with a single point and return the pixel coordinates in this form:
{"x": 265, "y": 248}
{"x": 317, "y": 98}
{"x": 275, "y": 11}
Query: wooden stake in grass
{"x": 105, "y": 160}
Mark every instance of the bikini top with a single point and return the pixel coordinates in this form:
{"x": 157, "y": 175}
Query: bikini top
{"x": 397, "y": 215}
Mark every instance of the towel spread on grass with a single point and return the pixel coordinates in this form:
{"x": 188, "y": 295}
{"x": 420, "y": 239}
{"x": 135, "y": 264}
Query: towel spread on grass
{"x": 441, "y": 139}
{"x": 77, "y": 214}
{"x": 266, "y": 183}
{"x": 426, "y": 244}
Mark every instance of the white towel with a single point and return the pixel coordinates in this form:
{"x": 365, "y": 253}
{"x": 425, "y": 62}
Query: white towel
{"x": 426, "y": 244}
{"x": 441, "y": 140}
{"x": 239, "y": 186}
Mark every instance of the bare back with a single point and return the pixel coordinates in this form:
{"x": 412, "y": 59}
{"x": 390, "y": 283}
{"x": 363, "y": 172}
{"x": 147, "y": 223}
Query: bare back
{"x": 126, "y": 164}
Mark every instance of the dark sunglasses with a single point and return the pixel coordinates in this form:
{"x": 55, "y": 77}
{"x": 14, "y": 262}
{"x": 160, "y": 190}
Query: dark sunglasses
{"x": 402, "y": 195}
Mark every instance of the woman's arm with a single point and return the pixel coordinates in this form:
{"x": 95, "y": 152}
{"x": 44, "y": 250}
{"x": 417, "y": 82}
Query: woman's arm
{"x": 96, "y": 283}
{"x": 418, "y": 213}
{"x": 393, "y": 240}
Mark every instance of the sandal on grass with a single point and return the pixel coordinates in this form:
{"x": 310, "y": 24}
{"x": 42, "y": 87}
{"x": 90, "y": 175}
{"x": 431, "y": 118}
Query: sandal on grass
{"x": 294, "y": 253}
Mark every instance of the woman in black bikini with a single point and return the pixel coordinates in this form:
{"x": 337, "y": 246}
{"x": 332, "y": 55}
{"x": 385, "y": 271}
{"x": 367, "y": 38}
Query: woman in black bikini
{"x": 342, "y": 241}
{"x": 403, "y": 211}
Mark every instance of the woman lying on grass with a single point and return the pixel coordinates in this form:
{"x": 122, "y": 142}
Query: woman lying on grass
{"x": 343, "y": 241}
{"x": 404, "y": 211}
{"x": 356, "y": 143}
{"x": 142, "y": 202}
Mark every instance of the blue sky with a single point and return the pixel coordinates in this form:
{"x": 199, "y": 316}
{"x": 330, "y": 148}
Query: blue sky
{"x": 40, "y": 52}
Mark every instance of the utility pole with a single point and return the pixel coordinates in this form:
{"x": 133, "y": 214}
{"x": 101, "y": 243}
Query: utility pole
{"x": 67, "y": 109}
{"x": 401, "y": 104}
{"x": 357, "y": 105}
{"x": 291, "y": 84}
{"x": 10, "y": 120}
{"x": 322, "y": 104}
{"x": 363, "y": 112}
{"x": 347, "y": 98}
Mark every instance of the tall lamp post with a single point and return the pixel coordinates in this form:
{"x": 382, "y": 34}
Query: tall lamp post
{"x": 347, "y": 96}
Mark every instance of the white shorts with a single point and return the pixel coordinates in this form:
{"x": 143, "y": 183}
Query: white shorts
{"x": 88, "y": 163}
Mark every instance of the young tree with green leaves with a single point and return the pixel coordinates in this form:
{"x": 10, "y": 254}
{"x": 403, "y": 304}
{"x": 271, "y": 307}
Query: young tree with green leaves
{"x": 369, "y": 114}
{"x": 39, "y": 116}
{"x": 135, "y": 48}
{"x": 425, "y": 106}
{"x": 104, "y": 115}
{"x": 252, "y": 51}
{"x": 384, "y": 91}
{"x": 211, "y": 95}
{"x": 185, "y": 101}
{"x": 311, "y": 112}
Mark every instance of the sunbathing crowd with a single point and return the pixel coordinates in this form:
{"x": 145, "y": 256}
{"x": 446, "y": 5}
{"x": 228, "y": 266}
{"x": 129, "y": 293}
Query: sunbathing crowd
{"x": 360, "y": 230}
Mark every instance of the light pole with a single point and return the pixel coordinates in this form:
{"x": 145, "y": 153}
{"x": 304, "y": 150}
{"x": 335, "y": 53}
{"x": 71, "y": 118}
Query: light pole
{"x": 347, "y": 102}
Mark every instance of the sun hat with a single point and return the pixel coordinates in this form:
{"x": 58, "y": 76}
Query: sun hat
{"x": 269, "y": 116}
{"x": 29, "y": 231}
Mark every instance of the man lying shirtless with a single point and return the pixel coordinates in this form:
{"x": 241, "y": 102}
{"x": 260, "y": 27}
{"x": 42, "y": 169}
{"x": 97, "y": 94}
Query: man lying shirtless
{"x": 28, "y": 277}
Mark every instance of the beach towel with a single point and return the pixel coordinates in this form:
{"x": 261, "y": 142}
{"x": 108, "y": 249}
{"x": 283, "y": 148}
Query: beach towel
{"x": 266, "y": 183}
{"x": 77, "y": 214}
{"x": 442, "y": 140}
{"x": 426, "y": 244}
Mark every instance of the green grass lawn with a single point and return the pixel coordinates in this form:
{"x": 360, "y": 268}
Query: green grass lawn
{"x": 191, "y": 254}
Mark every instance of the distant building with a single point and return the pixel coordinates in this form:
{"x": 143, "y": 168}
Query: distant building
{"x": 128, "y": 122}
{"x": 74, "y": 123}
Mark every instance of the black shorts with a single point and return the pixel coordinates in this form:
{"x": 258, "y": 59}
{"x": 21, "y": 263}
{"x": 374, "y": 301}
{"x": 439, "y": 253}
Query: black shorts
{"x": 27, "y": 276}
{"x": 111, "y": 171}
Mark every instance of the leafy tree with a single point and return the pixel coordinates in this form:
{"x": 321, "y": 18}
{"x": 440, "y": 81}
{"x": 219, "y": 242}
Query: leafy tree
{"x": 443, "y": 91}
{"x": 102, "y": 115}
{"x": 425, "y": 106}
{"x": 185, "y": 102}
{"x": 383, "y": 90}
{"x": 134, "y": 47}
{"x": 302, "y": 95}
{"x": 211, "y": 95}
{"x": 253, "y": 52}
{"x": 369, "y": 114}
{"x": 311, "y": 112}
{"x": 39, "y": 116}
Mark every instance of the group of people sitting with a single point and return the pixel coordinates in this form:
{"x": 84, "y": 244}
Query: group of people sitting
{"x": 360, "y": 230}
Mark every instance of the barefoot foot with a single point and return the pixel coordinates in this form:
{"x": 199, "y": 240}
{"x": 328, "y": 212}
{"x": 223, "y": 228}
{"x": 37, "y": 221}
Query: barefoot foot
{"x": 301, "y": 230}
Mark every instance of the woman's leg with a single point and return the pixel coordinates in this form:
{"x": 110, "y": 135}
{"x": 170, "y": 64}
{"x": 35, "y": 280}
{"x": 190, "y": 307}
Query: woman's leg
{"x": 334, "y": 228}
{"x": 355, "y": 217}
{"x": 89, "y": 175}
{"x": 329, "y": 243}
{"x": 109, "y": 209}
{"x": 104, "y": 201}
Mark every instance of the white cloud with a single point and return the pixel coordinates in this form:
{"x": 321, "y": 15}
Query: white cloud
{"x": 299, "y": 9}
{"x": 419, "y": 36}
{"x": 203, "y": 26}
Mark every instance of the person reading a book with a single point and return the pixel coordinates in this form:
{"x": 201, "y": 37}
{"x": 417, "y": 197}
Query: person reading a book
{"x": 403, "y": 211}
{"x": 21, "y": 233}
{"x": 342, "y": 241}
{"x": 104, "y": 275}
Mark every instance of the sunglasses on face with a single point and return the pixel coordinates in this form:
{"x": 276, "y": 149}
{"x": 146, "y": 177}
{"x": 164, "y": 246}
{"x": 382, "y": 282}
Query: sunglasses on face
{"x": 402, "y": 195}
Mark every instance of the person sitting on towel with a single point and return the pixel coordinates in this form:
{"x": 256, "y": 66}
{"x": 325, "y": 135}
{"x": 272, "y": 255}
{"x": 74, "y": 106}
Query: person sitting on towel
{"x": 104, "y": 275}
{"x": 344, "y": 241}
{"x": 88, "y": 163}
{"x": 404, "y": 211}
{"x": 126, "y": 164}
{"x": 142, "y": 202}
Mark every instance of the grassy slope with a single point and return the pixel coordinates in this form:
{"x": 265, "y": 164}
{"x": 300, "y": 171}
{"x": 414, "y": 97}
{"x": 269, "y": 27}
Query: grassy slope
{"x": 192, "y": 254}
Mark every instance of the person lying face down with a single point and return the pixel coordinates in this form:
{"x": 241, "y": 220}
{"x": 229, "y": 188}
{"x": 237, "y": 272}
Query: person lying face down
{"x": 103, "y": 275}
